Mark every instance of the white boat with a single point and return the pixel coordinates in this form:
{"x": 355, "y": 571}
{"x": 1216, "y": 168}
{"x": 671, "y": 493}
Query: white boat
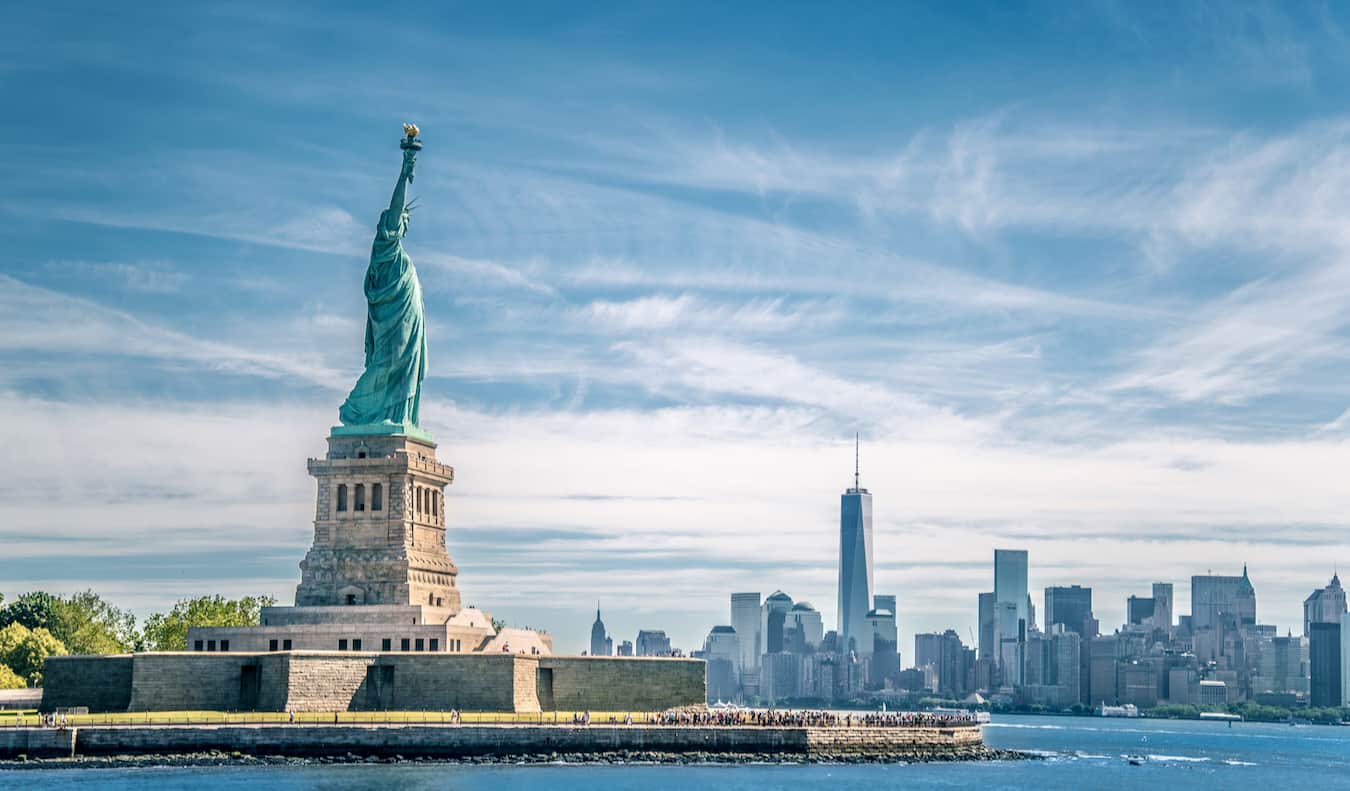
{"x": 1127, "y": 710}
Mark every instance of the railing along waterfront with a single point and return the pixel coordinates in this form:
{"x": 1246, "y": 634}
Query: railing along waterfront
{"x": 746, "y": 719}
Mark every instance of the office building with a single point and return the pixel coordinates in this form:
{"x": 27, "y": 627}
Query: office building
{"x": 1345, "y": 660}
{"x": 1282, "y": 668}
{"x": 1325, "y": 605}
{"x": 880, "y": 647}
{"x": 1324, "y": 664}
{"x": 807, "y": 626}
{"x": 928, "y": 650}
{"x": 653, "y": 642}
{"x": 855, "y": 560}
{"x": 1139, "y": 610}
{"x": 722, "y": 652}
{"x": 1222, "y": 601}
{"x": 625, "y": 648}
{"x": 745, "y": 620}
{"x": 1051, "y": 677}
{"x": 985, "y": 644}
{"x": 1070, "y": 607}
{"x": 1012, "y": 610}
{"x": 1162, "y": 605}
{"x": 772, "y": 620}
{"x": 601, "y": 643}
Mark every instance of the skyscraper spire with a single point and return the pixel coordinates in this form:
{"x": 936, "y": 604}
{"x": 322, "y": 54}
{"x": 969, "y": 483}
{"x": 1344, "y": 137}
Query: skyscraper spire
{"x": 855, "y": 459}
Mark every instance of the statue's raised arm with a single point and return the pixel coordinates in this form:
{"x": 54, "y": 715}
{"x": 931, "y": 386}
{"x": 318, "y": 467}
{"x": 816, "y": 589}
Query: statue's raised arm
{"x": 386, "y": 398}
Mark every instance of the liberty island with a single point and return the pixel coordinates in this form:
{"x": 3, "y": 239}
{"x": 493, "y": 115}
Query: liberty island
{"x": 378, "y": 626}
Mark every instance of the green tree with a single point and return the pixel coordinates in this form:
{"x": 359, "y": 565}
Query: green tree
{"x": 24, "y": 650}
{"x": 88, "y": 624}
{"x": 85, "y": 623}
{"x": 33, "y": 609}
{"x": 168, "y": 631}
{"x": 11, "y": 680}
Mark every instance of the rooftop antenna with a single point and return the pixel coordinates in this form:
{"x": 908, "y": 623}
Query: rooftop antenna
{"x": 856, "y": 443}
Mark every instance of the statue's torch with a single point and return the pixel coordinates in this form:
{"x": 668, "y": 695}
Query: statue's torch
{"x": 410, "y": 141}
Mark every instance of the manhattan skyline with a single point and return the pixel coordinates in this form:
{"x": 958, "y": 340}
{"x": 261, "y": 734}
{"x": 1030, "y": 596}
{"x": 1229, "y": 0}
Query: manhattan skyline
{"x": 1077, "y": 276}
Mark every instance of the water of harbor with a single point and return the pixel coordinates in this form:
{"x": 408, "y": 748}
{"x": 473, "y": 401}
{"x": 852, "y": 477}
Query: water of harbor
{"x": 1080, "y": 753}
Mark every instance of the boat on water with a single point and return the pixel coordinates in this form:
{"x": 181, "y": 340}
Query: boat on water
{"x": 1136, "y": 760}
{"x": 1126, "y": 710}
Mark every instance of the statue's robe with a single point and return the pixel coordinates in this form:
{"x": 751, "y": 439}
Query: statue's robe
{"x": 390, "y": 388}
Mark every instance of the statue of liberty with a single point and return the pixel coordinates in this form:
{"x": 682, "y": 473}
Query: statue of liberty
{"x": 386, "y": 398}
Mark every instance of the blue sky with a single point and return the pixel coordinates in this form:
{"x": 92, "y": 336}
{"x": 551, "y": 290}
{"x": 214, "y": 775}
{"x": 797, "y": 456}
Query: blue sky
{"x": 1077, "y": 273}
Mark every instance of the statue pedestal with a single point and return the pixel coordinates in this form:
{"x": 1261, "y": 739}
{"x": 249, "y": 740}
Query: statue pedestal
{"x": 383, "y": 430}
{"x": 379, "y": 524}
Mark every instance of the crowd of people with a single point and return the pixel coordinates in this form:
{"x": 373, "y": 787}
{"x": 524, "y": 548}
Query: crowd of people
{"x": 788, "y": 718}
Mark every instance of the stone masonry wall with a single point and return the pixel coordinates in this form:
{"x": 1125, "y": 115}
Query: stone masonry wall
{"x": 467, "y": 740}
{"x": 469, "y": 682}
{"x": 324, "y": 682}
{"x": 583, "y": 683}
{"x": 187, "y": 681}
{"x": 102, "y": 683}
{"x": 36, "y": 743}
{"x": 341, "y": 681}
{"x": 865, "y": 740}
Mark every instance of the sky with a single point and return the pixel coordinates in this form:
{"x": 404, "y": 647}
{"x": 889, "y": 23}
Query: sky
{"x": 1078, "y": 275}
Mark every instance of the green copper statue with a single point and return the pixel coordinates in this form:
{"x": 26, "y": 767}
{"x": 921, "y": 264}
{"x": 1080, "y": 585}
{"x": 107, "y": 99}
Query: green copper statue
{"x": 385, "y": 399}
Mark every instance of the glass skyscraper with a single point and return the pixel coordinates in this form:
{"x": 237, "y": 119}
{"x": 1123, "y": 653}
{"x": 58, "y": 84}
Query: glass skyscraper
{"x": 855, "y": 562}
{"x": 1012, "y": 609}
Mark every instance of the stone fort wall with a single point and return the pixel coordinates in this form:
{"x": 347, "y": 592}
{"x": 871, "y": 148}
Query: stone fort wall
{"x": 103, "y": 683}
{"x": 352, "y": 681}
{"x": 598, "y": 683}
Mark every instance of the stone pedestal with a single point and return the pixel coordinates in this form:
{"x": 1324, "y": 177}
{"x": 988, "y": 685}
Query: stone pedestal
{"x": 379, "y": 527}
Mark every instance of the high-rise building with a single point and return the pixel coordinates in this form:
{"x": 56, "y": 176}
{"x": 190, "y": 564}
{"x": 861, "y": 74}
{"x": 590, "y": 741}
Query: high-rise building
{"x": 808, "y": 626}
{"x": 1102, "y": 666}
{"x": 1345, "y": 660}
{"x": 772, "y": 620}
{"x": 1071, "y": 607}
{"x": 880, "y": 646}
{"x": 722, "y": 652}
{"x": 1138, "y": 610}
{"x": 1222, "y": 601}
{"x": 1282, "y": 668}
{"x": 653, "y": 642}
{"x": 1051, "y": 676}
{"x": 855, "y": 560}
{"x": 745, "y": 620}
{"x": 601, "y": 644}
{"x": 625, "y": 648}
{"x": 1162, "y": 605}
{"x": 1324, "y": 660}
{"x": 985, "y": 645}
{"x": 928, "y": 649}
{"x": 1325, "y": 605}
{"x": 1012, "y": 607}
{"x": 723, "y": 643}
